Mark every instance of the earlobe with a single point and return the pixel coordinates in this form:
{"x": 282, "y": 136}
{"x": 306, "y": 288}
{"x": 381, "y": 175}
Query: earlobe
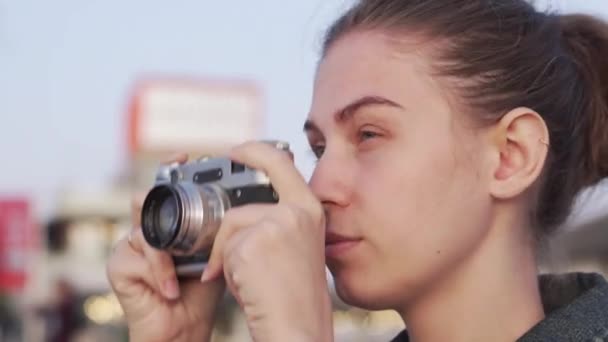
{"x": 521, "y": 143}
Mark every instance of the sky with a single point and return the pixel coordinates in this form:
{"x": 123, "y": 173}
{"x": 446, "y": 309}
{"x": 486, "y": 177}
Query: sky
{"x": 67, "y": 66}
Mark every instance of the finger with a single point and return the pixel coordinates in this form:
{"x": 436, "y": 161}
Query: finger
{"x": 134, "y": 242}
{"x": 176, "y": 158}
{"x": 137, "y": 202}
{"x": 277, "y": 165}
{"x": 162, "y": 267}
{"x": 234, "y": 220}
{"x": 233, "y": 279}
{"x": 128, "y": 270}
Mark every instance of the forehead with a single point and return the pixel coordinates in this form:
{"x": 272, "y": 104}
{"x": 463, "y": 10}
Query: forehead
{"x": 370, "y": 63}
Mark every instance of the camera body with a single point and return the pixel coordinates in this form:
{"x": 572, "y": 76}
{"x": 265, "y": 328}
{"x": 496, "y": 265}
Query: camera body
{"x": 183, "y": 211}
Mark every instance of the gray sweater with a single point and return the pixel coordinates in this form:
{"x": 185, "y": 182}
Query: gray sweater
{"x": 576, "y": 309}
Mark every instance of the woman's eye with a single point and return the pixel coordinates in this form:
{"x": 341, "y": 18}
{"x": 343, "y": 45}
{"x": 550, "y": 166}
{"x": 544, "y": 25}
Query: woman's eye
{"x": 366, "y": 135}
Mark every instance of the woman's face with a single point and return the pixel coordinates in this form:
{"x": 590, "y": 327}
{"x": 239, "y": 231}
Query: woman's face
{"x": 400, "y": 172}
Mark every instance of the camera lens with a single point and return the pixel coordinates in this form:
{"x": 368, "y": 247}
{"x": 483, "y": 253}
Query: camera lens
{"x": 167, "y": 218}
{"x": 161, "y": 216}
{"x": 183, "y": 217}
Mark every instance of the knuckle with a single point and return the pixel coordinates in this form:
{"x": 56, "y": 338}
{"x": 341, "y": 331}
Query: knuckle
{"x": 247, "y": 250}
{"x": 290, "y": 215}
{"x": 253, "y": 246}
{"x": 273, "y": 232}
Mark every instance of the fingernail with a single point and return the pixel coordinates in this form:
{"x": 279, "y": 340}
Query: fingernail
{"x": 171, "y": 289}
{"x": 206, "y": 275}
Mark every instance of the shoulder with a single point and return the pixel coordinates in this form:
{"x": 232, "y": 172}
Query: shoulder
{"x": 576, "y": 307}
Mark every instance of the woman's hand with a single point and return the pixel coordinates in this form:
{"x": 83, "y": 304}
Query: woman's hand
{"x": 273, "y": 255}
{"x": 156, "y": 306}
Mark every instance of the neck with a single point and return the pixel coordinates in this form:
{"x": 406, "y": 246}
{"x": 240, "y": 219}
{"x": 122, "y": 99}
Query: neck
{"x": 492, "y": 295}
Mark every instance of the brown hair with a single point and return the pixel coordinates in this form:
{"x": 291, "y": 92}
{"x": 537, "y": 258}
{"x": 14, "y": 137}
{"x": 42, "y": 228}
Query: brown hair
{"x": 517, "y": 56}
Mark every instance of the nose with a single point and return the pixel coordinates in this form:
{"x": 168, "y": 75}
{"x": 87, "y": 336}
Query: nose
{"x": 332, "y": 180}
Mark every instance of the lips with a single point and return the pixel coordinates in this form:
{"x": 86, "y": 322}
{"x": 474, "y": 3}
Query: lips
{"x": 334, "y": 239}
{"x": 337, "y": 246}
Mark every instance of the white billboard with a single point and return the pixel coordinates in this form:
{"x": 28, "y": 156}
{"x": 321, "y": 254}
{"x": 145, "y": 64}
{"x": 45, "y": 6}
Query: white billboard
{"x": 193, "y": 115}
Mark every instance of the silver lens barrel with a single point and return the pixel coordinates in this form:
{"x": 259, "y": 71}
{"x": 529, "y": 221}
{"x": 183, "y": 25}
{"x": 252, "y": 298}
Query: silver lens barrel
{"x": 183, "y": 218}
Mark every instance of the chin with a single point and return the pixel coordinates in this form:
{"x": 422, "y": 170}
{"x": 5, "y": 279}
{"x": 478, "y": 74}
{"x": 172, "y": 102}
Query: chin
{"x": 360, "y": 292}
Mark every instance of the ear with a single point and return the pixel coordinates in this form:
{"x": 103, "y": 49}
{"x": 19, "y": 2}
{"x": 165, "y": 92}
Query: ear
{"x": 521, "y": 144}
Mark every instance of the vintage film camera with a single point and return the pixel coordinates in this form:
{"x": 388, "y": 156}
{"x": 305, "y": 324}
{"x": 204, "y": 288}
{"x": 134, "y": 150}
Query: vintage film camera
{"x": 183, "y": 211}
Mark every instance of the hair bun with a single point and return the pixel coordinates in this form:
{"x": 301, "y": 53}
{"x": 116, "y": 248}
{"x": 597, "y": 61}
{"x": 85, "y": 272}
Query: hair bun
{"x": 586, "y": 40}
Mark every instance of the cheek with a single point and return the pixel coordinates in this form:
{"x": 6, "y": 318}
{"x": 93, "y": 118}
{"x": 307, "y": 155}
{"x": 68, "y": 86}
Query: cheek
{"x": 413, "y": 183}
{"x": 418, "y": 208}
{"x": 427, "y": 204}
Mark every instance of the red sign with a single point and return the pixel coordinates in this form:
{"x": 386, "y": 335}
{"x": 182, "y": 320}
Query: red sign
{"x": 15, "y": 238}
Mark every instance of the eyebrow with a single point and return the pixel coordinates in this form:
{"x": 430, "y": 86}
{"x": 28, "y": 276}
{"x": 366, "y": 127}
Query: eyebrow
{"x": 348, "y": 111}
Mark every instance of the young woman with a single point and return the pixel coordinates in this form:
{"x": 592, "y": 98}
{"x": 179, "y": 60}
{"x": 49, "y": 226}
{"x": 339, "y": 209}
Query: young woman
{"x": 452, "y": 137}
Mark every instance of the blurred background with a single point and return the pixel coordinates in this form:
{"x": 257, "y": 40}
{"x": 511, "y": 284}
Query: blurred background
{"x": 94, "y": 93}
